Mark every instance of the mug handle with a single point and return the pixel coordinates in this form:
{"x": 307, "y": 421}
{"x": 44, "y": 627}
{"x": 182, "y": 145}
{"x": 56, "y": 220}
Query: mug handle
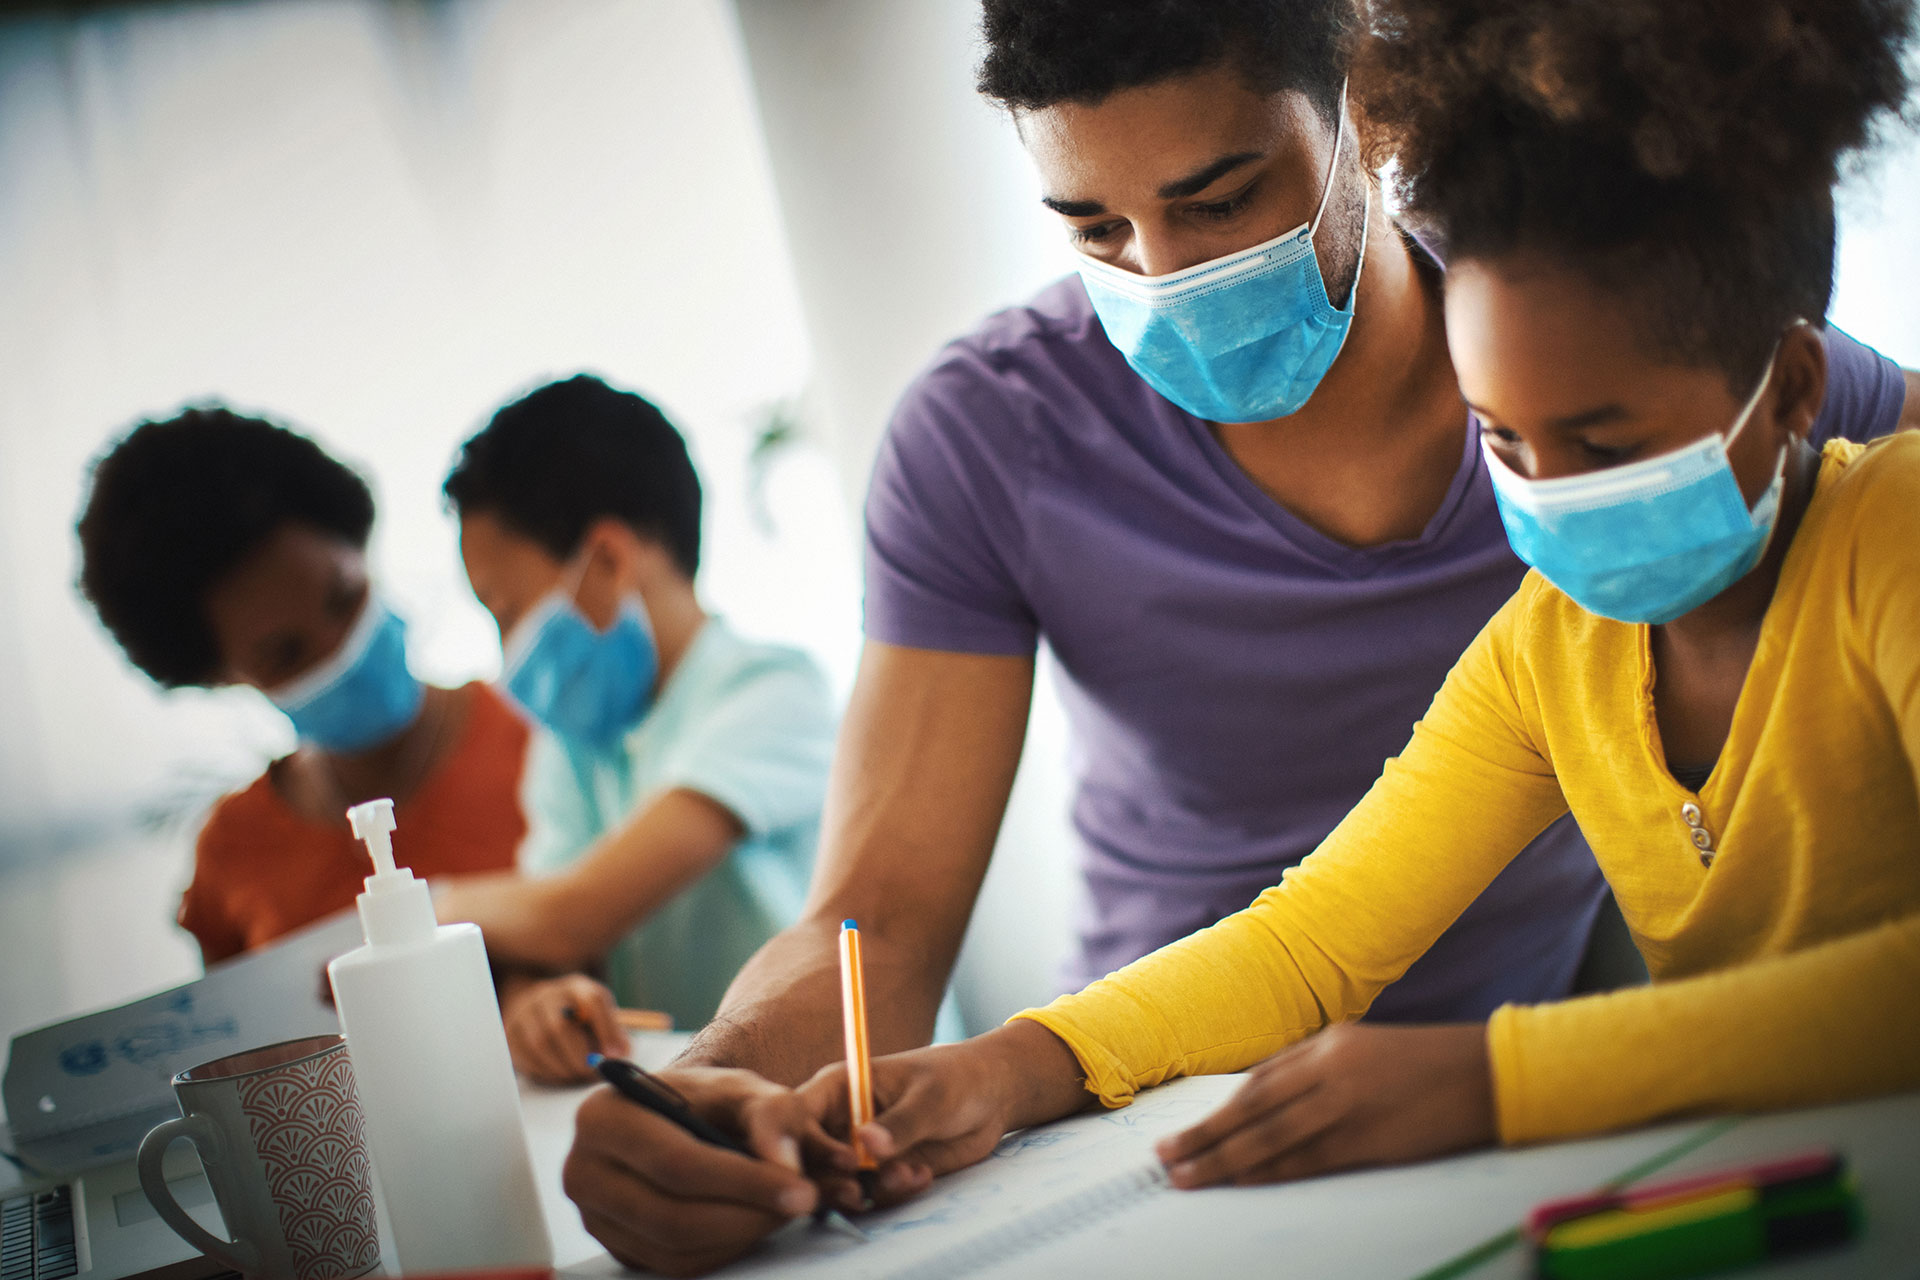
{"x": 237, "y": 1254}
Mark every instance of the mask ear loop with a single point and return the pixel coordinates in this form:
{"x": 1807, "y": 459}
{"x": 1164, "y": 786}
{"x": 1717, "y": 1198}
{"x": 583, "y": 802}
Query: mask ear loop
{"x": 1770, "y": 496}
{"x": 1753, "y": 398}
{"x": 1326, "y": 186}
{"x": 1326, "y": 194}
{"x": 572, "y": 591}
{"x": 1753, "y": 402}
{"x": 518, "y": 643}
{"x": 579, "y": 576}
{"x": 295, "y": 694}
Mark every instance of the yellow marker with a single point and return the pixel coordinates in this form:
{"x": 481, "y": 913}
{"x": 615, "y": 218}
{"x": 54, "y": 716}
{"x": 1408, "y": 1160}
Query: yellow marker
{"x": 1619, "y": 1224}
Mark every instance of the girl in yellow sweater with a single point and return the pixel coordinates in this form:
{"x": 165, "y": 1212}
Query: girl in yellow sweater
{"x": 1716, "y": 666}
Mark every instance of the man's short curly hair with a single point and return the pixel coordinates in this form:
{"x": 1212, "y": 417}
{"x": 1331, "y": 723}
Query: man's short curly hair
{"x": 569, "y": 453}
{"x": 177, "y": 505}
{"x": 1043, "y": 52}
{"x": 1681, "y": 153}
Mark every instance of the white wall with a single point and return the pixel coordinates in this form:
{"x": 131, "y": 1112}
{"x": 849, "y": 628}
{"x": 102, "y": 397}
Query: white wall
{"x": 378, "y": 224}
{"x": 1877, "y": 293}
{"x": 910, "y": 212}
{"x": 908, "y": 204}
{"x": 377, "y": 220}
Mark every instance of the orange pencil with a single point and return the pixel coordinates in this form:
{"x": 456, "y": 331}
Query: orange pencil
{"x": 853, "y": 1009}
{"x": 643, "y": 1020}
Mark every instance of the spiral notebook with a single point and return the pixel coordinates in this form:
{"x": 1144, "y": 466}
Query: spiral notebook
{"x": 1039, "y": 1186}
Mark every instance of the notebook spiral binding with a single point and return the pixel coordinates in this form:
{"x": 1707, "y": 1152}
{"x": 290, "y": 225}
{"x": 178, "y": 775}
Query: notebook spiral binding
{"x": 1048, "y": 1223}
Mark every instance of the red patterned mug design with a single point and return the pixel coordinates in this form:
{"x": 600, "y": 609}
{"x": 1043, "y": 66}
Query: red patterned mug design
{"x": 307, "y": 1129}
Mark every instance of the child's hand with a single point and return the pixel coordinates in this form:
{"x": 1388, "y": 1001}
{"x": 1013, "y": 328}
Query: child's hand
{"x": 554, "y": 1023}
{"x": 1352, "y": 1095}
{"x": 941, "y": 1109}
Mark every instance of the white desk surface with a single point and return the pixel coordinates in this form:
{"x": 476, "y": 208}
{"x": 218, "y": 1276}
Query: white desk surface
{"x": 1391, "y": 1223}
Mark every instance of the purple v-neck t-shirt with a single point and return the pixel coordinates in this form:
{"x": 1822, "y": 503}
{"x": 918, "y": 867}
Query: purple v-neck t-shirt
{"x": 1234, "y": 679}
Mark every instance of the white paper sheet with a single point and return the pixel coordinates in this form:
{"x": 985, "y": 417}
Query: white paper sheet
{"x": 1038, "y": 1183}
{"x": 1024, "y": 1213}
{"x": 1073, "y": 1199}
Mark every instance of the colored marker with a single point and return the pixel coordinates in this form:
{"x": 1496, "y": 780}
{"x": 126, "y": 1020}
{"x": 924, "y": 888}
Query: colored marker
{"x": 1770, "y": 1173}
{"x": 1729, "y": 1218}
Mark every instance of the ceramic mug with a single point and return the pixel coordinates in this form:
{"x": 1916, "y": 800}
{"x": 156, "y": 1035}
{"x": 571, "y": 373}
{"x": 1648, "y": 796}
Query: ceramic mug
{"x": 278, "y": 1130}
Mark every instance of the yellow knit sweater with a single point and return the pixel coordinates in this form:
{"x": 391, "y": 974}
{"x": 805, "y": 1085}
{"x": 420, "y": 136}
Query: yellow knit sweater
{"x": 1786, "y": 958}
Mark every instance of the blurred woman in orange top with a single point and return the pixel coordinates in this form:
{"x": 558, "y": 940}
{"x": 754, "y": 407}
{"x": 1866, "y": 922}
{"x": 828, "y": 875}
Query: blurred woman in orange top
{"x": 224, "y": 550}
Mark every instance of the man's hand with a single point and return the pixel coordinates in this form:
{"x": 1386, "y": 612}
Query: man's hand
{"x": 944, "y": 1108}
{"x": 1353, "y": 1095}
{"x": 554, "y": 1023}
{"x": 661, "y": 1199}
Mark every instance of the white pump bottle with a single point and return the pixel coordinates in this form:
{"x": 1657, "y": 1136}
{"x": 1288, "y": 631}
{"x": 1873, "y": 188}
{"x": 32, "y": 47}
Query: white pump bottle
{"x": 430, "y": 1062}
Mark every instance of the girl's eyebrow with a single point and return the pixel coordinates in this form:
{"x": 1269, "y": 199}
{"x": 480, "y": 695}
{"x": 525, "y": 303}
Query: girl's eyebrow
{"x": 1604, "y": 415}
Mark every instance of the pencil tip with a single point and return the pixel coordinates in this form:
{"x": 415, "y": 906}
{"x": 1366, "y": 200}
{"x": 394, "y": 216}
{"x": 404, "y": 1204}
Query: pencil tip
{"x": 848, "y": 924}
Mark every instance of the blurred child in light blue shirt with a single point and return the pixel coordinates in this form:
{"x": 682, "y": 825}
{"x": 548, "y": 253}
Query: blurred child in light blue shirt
{"x": 674, "y": 793}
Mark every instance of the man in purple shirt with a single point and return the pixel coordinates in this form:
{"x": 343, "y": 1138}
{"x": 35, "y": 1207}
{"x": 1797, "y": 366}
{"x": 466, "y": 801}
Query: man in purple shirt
{"x": 1255, "y": 539}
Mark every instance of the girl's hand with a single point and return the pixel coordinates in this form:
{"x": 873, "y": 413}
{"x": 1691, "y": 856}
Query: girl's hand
{"x": 943, "y": 1108}
{"x": 1355, "y": 1094}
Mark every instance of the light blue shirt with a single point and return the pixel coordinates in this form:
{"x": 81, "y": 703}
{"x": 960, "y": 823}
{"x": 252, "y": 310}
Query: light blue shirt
{"x": 750, "y": 726}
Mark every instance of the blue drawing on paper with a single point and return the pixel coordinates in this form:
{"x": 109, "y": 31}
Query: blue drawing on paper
{"x": 88, "y": 1058}
{"x": 144, "y": 1045}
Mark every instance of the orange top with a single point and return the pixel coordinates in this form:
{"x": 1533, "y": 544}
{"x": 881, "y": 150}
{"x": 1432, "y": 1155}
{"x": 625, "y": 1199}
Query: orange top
{"x": 261, "y": 869}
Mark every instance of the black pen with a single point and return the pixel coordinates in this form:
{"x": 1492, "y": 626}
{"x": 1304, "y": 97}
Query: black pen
{"x": 636, "y": 1084}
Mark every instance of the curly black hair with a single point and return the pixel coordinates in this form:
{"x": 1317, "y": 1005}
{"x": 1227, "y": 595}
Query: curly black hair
{"x": 1043, "y": 52}
{"x": 1680, "y": 153}
{"x": 174, "y": 506}
{"x": 560, "y": 457}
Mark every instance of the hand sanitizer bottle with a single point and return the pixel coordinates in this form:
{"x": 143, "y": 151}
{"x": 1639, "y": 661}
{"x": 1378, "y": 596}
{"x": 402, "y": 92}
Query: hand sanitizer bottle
{"x": 435, "y": 1082}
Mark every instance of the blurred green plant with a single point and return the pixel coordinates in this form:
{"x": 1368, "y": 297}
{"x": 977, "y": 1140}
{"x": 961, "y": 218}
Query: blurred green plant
{"x": 774, "y": 427}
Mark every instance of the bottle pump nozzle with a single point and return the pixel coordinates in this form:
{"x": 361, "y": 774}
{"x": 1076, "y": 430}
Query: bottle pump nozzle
{"x": 373, "y": 822}
{"x": 395, "y": 907}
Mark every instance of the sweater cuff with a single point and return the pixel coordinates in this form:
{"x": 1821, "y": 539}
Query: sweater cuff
{"x": 1106, "y": 1078}
{"x": 1506, "y": 1056}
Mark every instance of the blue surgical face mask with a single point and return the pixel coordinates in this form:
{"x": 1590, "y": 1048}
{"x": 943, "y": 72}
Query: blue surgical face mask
{"x": 590, "y": 687}
{"x": 362, "y": 695}
{"x": 1648, "y": 541}
{"x": 1243, "y": 338}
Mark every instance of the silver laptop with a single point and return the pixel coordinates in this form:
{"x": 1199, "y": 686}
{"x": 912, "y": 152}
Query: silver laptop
{"x": 98, "y": 1225}
{"x": 81, "y": 1093}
